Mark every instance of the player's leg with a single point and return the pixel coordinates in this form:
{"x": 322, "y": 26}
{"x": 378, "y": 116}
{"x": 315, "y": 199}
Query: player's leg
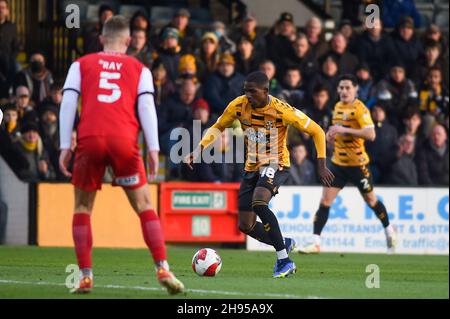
{"x": 329, "y": 194}
{"x": 130, "y": 173}
{"x": 88, "y": 171}
{"x": 261, "y": 197}
{"x": 82, "y": 237}
{"x": 380, "y": 211}
{"x": 363, "y": 180}
{"x": 139, "y": 199}
{"x": 247, "y": 222}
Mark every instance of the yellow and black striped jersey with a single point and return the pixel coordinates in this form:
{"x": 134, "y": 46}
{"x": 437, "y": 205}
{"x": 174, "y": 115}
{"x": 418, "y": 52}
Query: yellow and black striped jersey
{"x": 350, "y": 150}
{"x": 266, "y": 130}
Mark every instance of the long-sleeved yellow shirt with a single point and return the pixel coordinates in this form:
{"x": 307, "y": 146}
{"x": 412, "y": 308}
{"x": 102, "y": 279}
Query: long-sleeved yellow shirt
{"x": 266, "y": 131}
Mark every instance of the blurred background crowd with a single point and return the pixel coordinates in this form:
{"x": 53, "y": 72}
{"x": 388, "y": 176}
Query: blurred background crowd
{"x": 401, "y": 62}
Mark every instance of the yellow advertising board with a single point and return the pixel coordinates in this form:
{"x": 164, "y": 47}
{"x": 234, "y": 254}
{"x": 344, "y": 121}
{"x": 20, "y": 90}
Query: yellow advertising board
{"x": 114, "y": 223}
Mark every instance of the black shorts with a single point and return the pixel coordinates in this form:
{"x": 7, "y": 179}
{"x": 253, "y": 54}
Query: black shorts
{"x": 267, "y": 177}
{"x": 360, "y": 176}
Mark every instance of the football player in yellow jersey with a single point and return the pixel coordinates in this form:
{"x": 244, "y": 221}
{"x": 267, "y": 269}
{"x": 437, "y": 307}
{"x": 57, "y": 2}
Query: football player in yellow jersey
{"x": 352, "y": 126}
{"x": 264, "y": 120}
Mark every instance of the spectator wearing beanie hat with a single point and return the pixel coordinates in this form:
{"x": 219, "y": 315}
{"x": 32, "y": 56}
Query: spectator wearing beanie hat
{"x": 10, "y": 123}
{"x": 31, "y": 148}
{"x": 187, "y": 35}
{"x": 224, "y": 85}
{"x": 170, "y": 52}
{"x": 279, "y": 39}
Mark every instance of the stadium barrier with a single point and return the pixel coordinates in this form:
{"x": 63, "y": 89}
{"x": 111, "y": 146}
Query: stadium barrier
{"x": 114, "y": 224}
{"x": 420, "y": 216}
{"x": 189, "y": 212}
{"x": 17, "y": 196}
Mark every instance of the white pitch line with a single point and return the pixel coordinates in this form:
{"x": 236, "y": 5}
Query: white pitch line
{"x": 200, "y": 291}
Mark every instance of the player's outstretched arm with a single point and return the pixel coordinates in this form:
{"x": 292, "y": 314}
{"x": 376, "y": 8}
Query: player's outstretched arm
{"x": 367, "y": 133}
{"x": 304, "y": 124}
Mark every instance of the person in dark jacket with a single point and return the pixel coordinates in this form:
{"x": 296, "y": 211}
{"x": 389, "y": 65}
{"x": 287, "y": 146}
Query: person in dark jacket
{"x": 302, "y": 57}
{"x": 412, "y": 125}
{"x": 187, "y": 37}
{"x": 366, "y": 85}
{"x": 170, "y": 52}
{"x": 91, "y": 34}
{"x": 9, "y": 47}
{"x": 407, "y": 47}
{"x": 294, "y": 89}
{"x": 316, "y": 38}
{"x": 269, "y": 69}
{"x": 302, "y": 171}
{"x": 347, "y": 62}
{"x": 328, "y": 76}
{"x": 164, "y": 87}
{"x": 248, "y": 28}
{"x": 394, "y": 10}
{"x": 36, "y": 77}
{"x": 30, "y": 146}
{"x": 375, "y": 48}
{"x": 383, "y": 150}
{"x": 280, "y": 39}
{"x": 247, "y": 59}
{"x": 433, "y": 160}
{"x": 397, "y": 92}
{"x": 404, "y": 170}
{"x": 10, "y": 123}
{"x": 431, "y": 59}
{"x": 224, "y": 85}
{"x": 175, "y": 113}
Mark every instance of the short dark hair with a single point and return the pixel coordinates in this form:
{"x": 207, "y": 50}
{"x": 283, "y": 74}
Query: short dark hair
{"x": 259, "y": 78}
{"x": 295, "y": 144}
{"x": 349, "y": 77}
{"x": 431, "y": 44}
{"x": 103, "y": 8}
{"x": 410, "y": 111}
{"x": 434, "y": 68}
{"x": 292, "y": 68}
{"x": 319, "y": 88}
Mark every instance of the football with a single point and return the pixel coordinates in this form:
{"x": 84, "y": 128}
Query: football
{"x": 206, "y": 262}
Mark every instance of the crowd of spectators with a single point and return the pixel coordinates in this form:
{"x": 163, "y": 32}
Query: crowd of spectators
{"x": 402, "y": 74}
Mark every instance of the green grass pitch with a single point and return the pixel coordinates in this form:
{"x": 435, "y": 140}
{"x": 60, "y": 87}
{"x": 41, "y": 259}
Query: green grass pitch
{"x": 35, "y": 272}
